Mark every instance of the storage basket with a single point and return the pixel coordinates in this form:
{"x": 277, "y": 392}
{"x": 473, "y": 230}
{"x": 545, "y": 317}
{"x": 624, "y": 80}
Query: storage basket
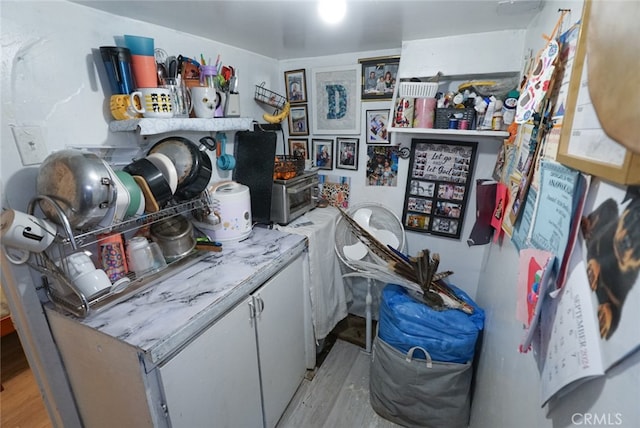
{"x": 267, "y": 96}
{"x": 444, "y": 114}
{"x": 418, "y": 89}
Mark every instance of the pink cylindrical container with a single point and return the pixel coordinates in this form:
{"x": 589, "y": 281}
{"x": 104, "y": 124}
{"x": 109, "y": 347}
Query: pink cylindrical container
{"x": 423, "y": 112}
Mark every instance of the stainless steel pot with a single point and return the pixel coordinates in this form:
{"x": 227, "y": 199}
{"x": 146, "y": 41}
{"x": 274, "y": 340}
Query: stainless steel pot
{"x": 174, "y": 236}
{"x": 80, "y": 183}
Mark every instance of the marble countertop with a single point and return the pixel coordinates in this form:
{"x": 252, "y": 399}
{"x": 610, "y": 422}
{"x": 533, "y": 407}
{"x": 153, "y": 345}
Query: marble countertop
{"x": 164, "y": 317}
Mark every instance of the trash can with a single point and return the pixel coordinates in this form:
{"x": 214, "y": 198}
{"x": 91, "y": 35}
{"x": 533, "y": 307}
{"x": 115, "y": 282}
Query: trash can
{"x": 421, "y": 363}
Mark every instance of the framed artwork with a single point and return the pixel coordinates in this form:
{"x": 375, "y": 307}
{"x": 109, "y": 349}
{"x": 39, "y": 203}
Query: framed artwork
{"x": 298, "y": 120}
{"x": 438, "y": 186}
{"x": 323, "y": 153}
{"x": 295, "y": 82}
{"x": 299, "y": 147}
{"x": 347, "y": 153}
{"x": 336, "y": 97}
{"x": 379, "y": 77}
{"x": 377, "y": 123}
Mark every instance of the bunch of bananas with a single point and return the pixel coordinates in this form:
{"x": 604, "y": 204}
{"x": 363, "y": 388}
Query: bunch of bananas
{"x": 277, "y": 118}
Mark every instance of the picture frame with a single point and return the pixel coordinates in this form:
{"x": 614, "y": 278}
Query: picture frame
{"x": 336, "y": 98}
{"x": 299, "y": 147}
{"x": 379, "y": 77}
{"x": 382, "y": 165}
{"x": 439, "y": 183}
{"x": 377, "y": 123}
{"x": 347, "y": 149}
{"x": 295, "y": 82}
{"x": 298, "y": 120}
{"x": 323, "y": 153}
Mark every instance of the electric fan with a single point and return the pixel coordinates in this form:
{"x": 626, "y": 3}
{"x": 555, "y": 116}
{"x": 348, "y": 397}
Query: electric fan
{"x": 370, "y": 240}
{"x": 381, "y": 223}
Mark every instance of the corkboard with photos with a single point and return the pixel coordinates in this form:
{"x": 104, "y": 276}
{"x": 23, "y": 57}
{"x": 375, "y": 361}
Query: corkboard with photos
{"x": 438, "y": 186}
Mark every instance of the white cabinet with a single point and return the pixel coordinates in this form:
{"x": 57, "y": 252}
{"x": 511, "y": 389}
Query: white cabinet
{"x": 249, "y": 360}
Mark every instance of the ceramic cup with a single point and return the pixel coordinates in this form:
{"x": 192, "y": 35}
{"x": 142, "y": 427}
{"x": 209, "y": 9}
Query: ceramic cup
{"x": 205, "y": 101}
{"x": 93, "y": 283}
{"x": 144, "y": 257}
{"x": 112, "y": 255}
{"x": 26, "y": 233}
{"x": 153, "y": 102}
{"x": 121, "y": 108}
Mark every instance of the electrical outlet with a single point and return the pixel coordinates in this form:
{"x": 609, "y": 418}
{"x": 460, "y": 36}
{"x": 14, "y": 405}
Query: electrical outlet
{"x": 31, "y": 145}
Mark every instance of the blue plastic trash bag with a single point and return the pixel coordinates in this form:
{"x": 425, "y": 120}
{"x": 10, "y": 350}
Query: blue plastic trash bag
{"x": 449, "y": 335}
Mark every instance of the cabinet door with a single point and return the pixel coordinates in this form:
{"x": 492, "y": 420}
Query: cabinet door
{"x": 281, "y": 339}
{"x": 214, "y": 381}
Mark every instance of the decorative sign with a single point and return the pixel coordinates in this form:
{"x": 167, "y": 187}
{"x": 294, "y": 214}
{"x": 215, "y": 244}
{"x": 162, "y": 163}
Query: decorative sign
{"x": 438, "y": 186}
{"x": 336, "y": 100}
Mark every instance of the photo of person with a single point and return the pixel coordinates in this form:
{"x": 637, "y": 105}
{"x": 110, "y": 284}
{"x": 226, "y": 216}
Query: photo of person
{"x": 382, "y": 166}
{"x": 298, "y": 123}
{"x": 323, "y": 153}
{"x": 379, "y": 77}
{"x": 295, "y": 84}
{"x": 377, "y": 121}
{"x": 298, "y": 148}
{"x": 347, "y": 153}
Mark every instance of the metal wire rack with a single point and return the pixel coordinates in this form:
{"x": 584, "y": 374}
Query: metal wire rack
{"x": 267, "y": 96}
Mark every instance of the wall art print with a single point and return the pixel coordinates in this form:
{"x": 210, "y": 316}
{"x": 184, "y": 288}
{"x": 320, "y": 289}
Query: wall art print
{"x": 438, "y": 186}
{"x": 336, "y": 100}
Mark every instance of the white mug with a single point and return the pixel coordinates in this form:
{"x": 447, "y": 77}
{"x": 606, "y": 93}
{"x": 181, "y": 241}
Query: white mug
{"x": 22, "y": 231}
{"x": 205, "y": 101}
{"x": 77, "y": 264}
{"x": 154, "y": 102}
{"x": 144, "y": 257}
{"x": 92, "y": 283}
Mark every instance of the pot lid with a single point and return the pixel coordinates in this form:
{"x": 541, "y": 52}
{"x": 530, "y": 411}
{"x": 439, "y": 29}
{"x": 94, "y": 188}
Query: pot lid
{"x": 172, "y": 228}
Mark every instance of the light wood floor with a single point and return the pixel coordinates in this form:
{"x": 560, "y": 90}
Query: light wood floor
{"x": 337, "y": 396}
{"x": 21, "y": 404}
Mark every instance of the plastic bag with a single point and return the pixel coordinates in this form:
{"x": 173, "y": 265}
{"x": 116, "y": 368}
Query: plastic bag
{"x": 449, "y": 335}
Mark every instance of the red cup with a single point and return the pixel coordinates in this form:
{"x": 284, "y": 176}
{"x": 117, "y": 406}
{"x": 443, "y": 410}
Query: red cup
{"x": 144, "y": 71}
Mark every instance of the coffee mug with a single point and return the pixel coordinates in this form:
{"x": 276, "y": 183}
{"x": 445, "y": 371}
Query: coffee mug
{"x": 22, "y": 231}
{"x": 153, "y": 102}
{"x": 93, "y": 283}
{"x": 144, "y": 257}
{"x": 121, "y": 108}
{"x": 77, "y": 264}
{"x": 205, "y": 101}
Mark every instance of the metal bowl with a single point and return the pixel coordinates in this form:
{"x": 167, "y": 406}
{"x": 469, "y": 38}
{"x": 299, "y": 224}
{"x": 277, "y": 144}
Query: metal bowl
{"x": 80, "y": 184}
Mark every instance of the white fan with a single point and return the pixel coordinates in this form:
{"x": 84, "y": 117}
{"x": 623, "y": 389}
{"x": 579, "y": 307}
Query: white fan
{"x": 381, "y": 223}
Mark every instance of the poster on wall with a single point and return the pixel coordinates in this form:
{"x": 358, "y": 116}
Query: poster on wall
{"x": 382, "y": 166}
{"x": 438, "y": 186}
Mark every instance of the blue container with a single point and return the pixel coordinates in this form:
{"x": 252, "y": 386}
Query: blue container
{"x": 139, "y": 45}
{"x": 117, "y": 63}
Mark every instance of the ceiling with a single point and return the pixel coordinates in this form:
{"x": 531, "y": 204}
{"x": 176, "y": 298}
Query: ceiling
{"x": 288, "y": 29}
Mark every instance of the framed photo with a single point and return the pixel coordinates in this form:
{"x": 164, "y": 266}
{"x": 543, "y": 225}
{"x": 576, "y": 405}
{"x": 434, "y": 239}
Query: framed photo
{"x": 323, "y": 153}
{"x": 295, "y": 82}
{"x": 347, "y": 153}
{"x": 377, "y": 126}
{"x": 379, "y": 77}
{"x": 298, "y": 120}
{"x": 299, "y": 147}
{"x": 336, "y": 97}
{"x": 438, "y": 186}
{"x": 382, "y": 165}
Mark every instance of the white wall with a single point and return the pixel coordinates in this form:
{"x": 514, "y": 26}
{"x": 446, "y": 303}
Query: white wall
{"x": 508, "y": 383}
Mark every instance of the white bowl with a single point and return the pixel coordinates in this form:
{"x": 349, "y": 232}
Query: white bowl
{"x": 167, "y": 167}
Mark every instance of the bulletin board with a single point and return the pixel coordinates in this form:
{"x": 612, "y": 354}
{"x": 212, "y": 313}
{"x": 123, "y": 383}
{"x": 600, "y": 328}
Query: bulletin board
{"x": 583, "y": 144}
{"x": 438, "y": 186}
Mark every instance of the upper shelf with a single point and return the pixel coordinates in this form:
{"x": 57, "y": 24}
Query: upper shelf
{"x": 148, "y": 126}
{"x": 456, "y": 132}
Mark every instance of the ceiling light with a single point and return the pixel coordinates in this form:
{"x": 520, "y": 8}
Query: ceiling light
{"x": 332, "y": 11}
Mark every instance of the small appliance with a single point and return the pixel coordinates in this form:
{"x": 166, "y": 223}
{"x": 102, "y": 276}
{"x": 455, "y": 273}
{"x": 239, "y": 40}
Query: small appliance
{"x": 291, "y": 198}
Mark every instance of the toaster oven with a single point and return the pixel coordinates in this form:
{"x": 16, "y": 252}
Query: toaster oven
{"x": 293, "y": 197}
